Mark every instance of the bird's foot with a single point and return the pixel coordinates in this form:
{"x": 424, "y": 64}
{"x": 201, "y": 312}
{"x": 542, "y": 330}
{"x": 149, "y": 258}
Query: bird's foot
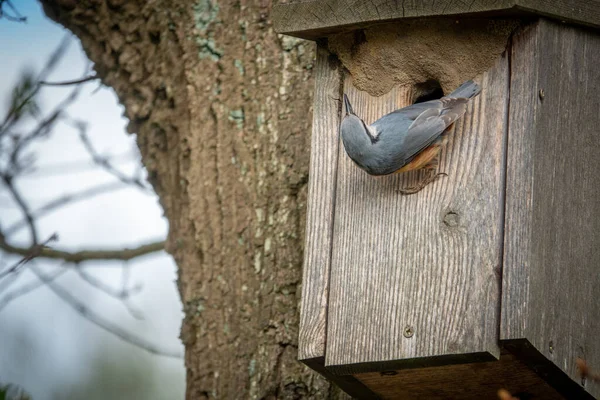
{"x": 414, "y": 189}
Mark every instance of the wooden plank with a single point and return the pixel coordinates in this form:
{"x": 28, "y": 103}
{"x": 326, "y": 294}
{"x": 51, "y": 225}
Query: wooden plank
{"x": 551, "y": 280}
{"x": 428, "y": 261}
{"x": 321, "y": 200}
{"x": 349, "y": 384}
{"x": 477, "y": 381}
{"x": 318, "y": 18}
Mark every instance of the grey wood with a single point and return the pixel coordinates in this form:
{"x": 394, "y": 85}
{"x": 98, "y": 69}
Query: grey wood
{"x": 318, "y": 18}
{"x": 551, "y": 277}
{"x": 430, "y": 260}
{"x": 321, "y": 200}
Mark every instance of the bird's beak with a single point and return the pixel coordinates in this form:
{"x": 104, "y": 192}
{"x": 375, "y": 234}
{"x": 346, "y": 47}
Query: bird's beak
{"x": 348, "y": 106}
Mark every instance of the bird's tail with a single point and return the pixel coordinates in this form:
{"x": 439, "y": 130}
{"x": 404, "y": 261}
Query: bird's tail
{"x": 467, "y": 90}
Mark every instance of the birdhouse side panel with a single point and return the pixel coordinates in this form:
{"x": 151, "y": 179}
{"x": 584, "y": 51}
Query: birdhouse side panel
{"x": 551, "y": 279}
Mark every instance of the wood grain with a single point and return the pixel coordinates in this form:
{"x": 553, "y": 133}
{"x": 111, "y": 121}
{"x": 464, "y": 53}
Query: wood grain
{"x": 551, "y": 279}
{"x": 321, "y": 201}
{"x": 473, "y": 381}
{"x": 430, "y": 260}
{"x": 318, "y": 18}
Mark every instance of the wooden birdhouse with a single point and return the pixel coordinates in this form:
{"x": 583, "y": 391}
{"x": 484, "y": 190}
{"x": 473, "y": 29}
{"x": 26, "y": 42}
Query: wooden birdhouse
{"x": 488, "y": 278}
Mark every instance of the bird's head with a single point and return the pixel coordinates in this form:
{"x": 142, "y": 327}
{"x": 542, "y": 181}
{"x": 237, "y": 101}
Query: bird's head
{"x": 355, "y": 133}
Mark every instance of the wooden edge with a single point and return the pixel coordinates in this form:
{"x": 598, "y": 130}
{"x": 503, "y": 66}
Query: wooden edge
{"x": 545, "y": 369}
{"x": 586, "y": 13}
{"x": 475, "y": 381}
{"x": 533, "y": 311}
{"x": 321, "y": 205}
{"x": 315, "y": 19}
{"x": 421, "y": 362}
{"x": 347, "y": 383}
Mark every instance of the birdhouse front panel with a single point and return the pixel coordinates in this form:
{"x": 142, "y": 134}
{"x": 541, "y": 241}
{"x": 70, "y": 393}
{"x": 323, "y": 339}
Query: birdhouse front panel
{"x": 417, "y": 276}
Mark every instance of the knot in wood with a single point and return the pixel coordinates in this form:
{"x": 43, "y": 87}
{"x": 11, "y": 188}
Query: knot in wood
{"x": 451, "y": 219}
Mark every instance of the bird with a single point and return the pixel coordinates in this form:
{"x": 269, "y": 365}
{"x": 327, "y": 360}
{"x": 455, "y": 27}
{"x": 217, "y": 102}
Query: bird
{"x": 407, "y": 139}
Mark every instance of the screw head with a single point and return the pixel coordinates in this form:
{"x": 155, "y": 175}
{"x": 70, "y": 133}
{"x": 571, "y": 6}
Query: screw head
{"x": 409, "y": 331}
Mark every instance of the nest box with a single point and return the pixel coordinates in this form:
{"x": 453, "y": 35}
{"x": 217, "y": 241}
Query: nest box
{"x": 488, "y": 278}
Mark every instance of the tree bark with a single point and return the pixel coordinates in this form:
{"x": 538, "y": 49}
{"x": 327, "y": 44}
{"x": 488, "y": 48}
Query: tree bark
{"x": 221, "y": 106}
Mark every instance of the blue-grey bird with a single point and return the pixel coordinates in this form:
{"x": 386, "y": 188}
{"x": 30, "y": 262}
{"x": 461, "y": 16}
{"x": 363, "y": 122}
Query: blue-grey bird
{"x": 407, "y": 139}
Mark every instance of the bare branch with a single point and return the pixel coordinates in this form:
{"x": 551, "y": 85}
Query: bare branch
{"x": 100, "y": 322}
{"x": 24, "y": 209}
{"x": 121, "y": 254}
{"x": 16, "y": 18}
{"x": 34, "y": 90}
{"x": 19, "y": 142}
{"x": 104, "y": 162}
{"x": 32, "y": 252}
{"x": 63, "y": 201}
{"x": 28, "y": 288}
{"x": 16, "y": 160}
{"x": 68, "y": 83}
{"x": 122, "y": 294}
{"x": 6, "y": 282}
{"x": 78, "y": 166}
{"x": 55, "y": 57}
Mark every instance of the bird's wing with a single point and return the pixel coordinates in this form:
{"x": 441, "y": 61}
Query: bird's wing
{"x": 411, "y": 112}
{"x": 431, "y": 123}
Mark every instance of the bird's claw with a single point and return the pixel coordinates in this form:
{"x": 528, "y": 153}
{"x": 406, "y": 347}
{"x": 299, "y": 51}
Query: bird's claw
{"x": 420, "y": 186}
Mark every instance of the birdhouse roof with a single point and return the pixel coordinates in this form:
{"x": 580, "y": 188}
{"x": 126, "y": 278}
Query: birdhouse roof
{"x": 312, "y": 19}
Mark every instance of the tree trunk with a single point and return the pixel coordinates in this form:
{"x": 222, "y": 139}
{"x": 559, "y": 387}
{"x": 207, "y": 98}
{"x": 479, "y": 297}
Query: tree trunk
{"x": 222, "y": 109}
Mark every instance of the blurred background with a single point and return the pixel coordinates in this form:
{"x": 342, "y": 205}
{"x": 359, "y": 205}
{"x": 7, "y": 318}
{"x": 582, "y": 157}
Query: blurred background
{"x": 95, "y": 329}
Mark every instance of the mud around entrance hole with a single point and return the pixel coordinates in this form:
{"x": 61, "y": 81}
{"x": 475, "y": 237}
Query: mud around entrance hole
{"x": 447, "y": 51}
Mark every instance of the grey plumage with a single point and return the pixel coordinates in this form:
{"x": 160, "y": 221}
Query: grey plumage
{"x": 395, "y": 139}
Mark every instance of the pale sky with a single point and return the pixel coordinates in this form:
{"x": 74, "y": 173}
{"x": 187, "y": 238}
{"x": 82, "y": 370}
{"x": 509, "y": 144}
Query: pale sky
{"x": 44, "y": 344}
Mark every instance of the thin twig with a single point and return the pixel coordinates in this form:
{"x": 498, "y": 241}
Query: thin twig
{"x": 9, "y": 280}
{"x": 79, "y": 166}
{"x": 28, "y": 288}
{"x": 68, "y": 83}
{"x": 122, "y": 294}
{"x": 56, "y": 56}
{"x": 17, "y": 18}
{"x": 63, "y": 201}
{"x": 32, "y": 252}
{"x": 14, "y": 149}
{"x": 100, "y": 322}
{"x": 48, "y": 68}
{"x": 76, "y": 257}
{"x": 8, "y": 181}
{"x": 104, "y": 162}
{"x": 41, "y": 130}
